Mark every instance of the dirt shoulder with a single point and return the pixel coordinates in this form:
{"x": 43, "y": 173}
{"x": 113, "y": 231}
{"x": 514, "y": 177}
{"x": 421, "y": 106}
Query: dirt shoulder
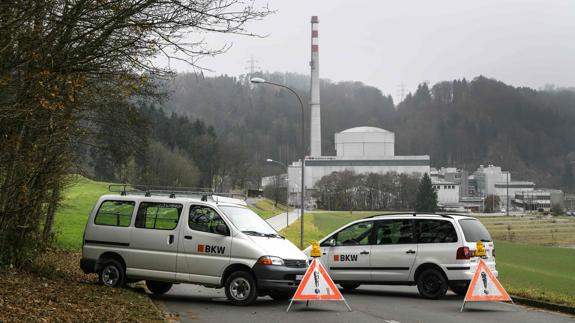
{"x": 56, "y": 290}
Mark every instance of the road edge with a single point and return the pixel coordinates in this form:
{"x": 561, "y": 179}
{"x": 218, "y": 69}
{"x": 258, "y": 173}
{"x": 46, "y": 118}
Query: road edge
{"x": 565, "y": 309}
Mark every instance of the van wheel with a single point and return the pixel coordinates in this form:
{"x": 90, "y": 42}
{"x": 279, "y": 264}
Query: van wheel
{"x": 280, "y": 296}
{"x": 158, "y": 288}
{"x": 241, "y": 288}
{"x": 431, "y": 284}
{"x": 459, "y": 289}
{"x": 112, "y": 273}
{"x": 349, "y": 286}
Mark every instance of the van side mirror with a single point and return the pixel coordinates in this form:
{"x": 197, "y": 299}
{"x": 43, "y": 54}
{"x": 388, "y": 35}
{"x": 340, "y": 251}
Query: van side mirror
{"x": 331, "y": 242}
{"x": 222, "y": 229}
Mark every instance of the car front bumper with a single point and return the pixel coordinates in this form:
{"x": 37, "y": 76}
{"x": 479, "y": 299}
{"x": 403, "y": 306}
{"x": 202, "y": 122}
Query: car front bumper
{"x": 270, "y": 277}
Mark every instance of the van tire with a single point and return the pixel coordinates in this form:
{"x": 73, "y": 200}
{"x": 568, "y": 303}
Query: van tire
{"x": 158, "y": 288}
{"x": 112, "y": 273}
{"x": 349, "y": 286}
{"x": 431, "y": 284}
{"x": 280, "y": 295}
{"x": 241, "y": 288}
{"x": 459, "y": 289}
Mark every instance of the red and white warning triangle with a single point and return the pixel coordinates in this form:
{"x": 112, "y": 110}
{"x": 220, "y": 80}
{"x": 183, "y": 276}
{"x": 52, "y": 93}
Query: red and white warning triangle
{"x": 484, "y": 286}
{"x": 316, "y": 285}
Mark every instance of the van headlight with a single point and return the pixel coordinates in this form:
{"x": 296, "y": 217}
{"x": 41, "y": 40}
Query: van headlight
{"x": 270, "y": 260}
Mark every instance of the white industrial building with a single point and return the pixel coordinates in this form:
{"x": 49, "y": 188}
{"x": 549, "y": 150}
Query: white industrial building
{"x": 361, "y": 149}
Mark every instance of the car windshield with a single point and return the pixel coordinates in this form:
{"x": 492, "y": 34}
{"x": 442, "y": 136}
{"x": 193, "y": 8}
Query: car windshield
{"x": 474, "y": 231}
{"x": 247, "y": 221}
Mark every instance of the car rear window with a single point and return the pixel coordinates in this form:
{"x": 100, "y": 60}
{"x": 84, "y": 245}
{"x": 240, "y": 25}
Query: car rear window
{"x": 474, "y": 231}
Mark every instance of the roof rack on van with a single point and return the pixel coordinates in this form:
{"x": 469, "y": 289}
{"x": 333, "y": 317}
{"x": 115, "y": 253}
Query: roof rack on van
{"x": 408, "y": 213}
{"x": 172, "y": 192}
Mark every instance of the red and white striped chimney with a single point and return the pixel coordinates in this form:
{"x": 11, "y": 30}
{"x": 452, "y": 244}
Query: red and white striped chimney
{"x": 315, "y": 124}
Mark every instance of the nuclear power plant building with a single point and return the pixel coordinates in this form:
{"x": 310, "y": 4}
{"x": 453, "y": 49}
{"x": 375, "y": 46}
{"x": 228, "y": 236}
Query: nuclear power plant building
{"x": 361, "y": 149}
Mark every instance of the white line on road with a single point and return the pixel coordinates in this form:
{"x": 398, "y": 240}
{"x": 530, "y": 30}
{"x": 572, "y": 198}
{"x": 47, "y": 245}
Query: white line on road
{"x": 391, "y": 321}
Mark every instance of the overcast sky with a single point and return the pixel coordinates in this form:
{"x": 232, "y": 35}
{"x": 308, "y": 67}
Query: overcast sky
{"x": 386, "y": 43}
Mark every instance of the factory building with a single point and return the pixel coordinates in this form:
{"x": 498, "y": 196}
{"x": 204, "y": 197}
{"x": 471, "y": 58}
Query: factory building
{"x": 361, "y": 149}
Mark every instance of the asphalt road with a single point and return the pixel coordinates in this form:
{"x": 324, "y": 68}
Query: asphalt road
{"x": 391, "y": 304}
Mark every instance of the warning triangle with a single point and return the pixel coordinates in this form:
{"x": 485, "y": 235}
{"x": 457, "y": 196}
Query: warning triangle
{"x": 316, "y": 285}
{"x": 485, "y": 287}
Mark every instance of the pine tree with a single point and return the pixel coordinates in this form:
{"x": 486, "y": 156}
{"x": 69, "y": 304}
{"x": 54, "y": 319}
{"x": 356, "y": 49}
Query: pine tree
{"x": 426, "y": 200}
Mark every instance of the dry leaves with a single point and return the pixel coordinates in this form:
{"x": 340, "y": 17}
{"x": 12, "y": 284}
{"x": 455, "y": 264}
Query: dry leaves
{"x": 56, "y": 290}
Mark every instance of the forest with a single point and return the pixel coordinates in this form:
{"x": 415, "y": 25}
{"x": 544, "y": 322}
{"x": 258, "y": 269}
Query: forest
{"x": 458, "y": 123}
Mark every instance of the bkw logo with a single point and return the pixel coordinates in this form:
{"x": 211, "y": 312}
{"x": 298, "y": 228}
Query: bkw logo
{"x": 344, "y": 257}
{"x": 211, "y": 249}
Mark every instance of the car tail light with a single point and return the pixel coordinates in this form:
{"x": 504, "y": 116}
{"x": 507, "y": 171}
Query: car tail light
{"x": 463, "y": 253}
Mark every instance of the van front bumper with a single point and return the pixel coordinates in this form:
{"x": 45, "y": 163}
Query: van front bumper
{"x": 271, "y": 277}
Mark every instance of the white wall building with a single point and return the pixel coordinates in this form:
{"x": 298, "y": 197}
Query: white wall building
{"x": 362, "y": 150}
{"x": 447, "y": 192}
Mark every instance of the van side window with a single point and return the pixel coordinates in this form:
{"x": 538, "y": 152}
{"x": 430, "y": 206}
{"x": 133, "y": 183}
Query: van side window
{"x": 436, "y": 231}
{"x": 115, "y": 213}
{"x": 394, "y": 232}
{"x": 160, "y": 216}
{"x": 355, "y": 235}
{"x": 203, "y": 218}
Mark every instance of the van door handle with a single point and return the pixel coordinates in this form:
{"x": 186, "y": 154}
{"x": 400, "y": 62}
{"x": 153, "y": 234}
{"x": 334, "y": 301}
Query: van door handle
{"x": 410, "y": 251}
{"x": 364, "y": 253}
{"x": 188, "y": 237}
{"x": 170, "y": 239}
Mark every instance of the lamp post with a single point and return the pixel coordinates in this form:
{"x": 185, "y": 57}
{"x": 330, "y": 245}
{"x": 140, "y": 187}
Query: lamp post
{"x": 269, "y": 160}
{"x": 258, "y": 80}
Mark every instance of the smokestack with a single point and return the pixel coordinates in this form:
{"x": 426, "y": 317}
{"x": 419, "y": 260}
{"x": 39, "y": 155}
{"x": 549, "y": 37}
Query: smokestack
{"x": 315, "y": 124}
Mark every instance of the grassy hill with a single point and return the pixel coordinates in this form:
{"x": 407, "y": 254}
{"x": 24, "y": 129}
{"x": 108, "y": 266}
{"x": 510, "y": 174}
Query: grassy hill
{"x": 79, "y": 199}
{"x": 266, "y": 209}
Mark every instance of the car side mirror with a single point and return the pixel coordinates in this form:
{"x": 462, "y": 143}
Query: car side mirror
{"x": 331, "y": 242}
{"x": 222, "y": 229}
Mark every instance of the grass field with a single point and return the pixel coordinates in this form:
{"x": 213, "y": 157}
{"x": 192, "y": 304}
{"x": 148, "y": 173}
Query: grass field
{"x": 71, "y": 216}
{"x": 529, "y": 270}
{"x": 266, "y": 209}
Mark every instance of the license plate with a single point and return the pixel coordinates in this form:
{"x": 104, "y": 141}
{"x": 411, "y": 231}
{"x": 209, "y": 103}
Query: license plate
{"x": 298, "y": 277}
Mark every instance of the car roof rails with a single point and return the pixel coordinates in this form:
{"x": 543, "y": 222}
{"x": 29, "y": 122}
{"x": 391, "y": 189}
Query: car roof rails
{"x": 408, "y": 213}
{"x": 202, "y": 194}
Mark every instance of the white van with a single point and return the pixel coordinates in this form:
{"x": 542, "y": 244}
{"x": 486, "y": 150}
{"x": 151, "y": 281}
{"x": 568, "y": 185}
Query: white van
{"x": 214, "y": 242}
{"x": 433, "y": 251}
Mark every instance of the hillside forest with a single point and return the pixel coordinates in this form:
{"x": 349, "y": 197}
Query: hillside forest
{"x": 218, "y": 131}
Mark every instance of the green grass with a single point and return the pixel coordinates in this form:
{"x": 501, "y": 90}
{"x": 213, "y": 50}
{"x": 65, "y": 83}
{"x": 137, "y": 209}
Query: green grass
{"x": 79, "y": 199}
{"x": 537, "y": 272}
{"x": 266, "y": 209}
{"x": 545, "y": 273}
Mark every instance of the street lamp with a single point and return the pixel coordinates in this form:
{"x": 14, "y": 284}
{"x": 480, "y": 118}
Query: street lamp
{"x": 259, "y": 80}
{"x": 269, "y": 160}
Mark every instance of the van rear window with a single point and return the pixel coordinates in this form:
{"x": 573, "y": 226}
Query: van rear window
{"x": 115, "y": 213}
{"x": 474, "y": 230}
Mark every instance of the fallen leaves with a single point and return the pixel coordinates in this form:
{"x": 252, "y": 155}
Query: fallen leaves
{"x": 56, "y": 290}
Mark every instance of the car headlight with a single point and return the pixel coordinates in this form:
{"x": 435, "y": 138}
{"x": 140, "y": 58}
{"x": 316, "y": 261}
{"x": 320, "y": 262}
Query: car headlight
{"x": 270, "y": 260}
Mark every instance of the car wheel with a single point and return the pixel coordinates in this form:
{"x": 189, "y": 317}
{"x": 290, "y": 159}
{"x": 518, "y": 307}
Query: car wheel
{"x": 158, "y": 288}
{"x": 112, "y": 273}
{"x": 280, "y": 296}
{"x": 431, "y": 284}
{"x": 349, "y": 286}
{"x": 241, "y": 288}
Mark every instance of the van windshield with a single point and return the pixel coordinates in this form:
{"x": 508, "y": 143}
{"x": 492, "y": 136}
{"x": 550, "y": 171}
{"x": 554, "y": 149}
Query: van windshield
{"x": 248, "y": 222}
{"x": 474, "y": 231}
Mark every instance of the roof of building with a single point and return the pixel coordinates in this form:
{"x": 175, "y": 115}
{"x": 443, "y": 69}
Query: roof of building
{"x": 365, "y": 129}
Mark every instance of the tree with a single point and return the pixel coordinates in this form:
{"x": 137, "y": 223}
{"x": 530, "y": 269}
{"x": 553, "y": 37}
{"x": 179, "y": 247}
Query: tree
{"x": 59, "y": 62}
{"x": 491, "y": 203}
{"x": 426, "y": 199}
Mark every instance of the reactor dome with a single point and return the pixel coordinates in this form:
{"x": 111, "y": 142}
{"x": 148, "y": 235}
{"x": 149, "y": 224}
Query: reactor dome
{"x": 365, "y": 142}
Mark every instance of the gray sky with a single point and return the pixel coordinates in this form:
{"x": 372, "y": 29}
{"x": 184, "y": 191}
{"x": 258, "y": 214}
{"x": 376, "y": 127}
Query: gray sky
{"x": 384, "y": 43}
